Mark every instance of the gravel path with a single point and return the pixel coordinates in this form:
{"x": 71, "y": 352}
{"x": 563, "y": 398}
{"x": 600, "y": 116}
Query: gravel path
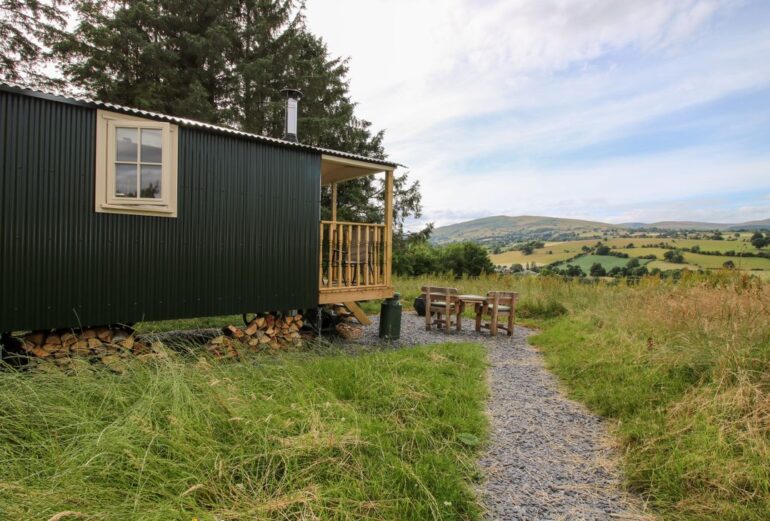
{"x": 548, "y": 458}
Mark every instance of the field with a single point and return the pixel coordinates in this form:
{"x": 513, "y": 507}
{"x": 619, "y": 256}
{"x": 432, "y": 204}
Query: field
{"x": 306, "y": 436}
{"x": 681, "y": 369}
{"x": 541, "y": 256}
{"x": 566, "y": 250}
{"x": 607, "y": 261}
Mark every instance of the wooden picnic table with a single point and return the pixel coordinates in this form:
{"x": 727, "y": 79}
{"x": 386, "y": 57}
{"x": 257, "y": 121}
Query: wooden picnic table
{"x": 478, "y": 301}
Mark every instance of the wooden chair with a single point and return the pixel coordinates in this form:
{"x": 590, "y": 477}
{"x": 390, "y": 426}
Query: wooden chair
{"x": 499, "y": 303}
{"x": 442, "y": 302}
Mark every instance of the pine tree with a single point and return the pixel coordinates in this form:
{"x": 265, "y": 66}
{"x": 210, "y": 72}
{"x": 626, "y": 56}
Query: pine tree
{"x": 26, "y": 26}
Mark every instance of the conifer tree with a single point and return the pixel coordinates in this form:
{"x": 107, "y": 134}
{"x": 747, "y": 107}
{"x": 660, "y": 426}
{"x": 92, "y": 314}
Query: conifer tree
{"x": 26, "y": 26}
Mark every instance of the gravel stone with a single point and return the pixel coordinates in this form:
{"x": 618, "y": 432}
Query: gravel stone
{"x": 548, "y": 457}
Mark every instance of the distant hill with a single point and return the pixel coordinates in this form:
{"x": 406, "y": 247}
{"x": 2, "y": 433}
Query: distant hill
{"x": 764, "y": 224}
{"x": 503, "y": 228}
{"x": 687, "y": 225}
{"x": 701, "y": 226}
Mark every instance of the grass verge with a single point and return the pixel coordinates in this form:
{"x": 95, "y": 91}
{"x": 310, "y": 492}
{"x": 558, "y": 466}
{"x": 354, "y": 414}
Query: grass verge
{"x": 682, "y": 368}
{"x": 384, "y": 435}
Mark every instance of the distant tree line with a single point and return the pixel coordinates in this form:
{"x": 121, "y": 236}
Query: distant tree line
{"x": 414, "y": 255}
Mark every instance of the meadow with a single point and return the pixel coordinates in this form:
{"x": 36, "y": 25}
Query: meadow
{"x": 315, "y": 435}
{"x": 607, "y": 261}
{"x": 681, "y": 370}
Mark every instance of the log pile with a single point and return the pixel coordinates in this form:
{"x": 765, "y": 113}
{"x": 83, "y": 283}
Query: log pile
{"x": 267, "y": 332}
{"x": 349, "y": 331}
{"x": 110, "y": 346}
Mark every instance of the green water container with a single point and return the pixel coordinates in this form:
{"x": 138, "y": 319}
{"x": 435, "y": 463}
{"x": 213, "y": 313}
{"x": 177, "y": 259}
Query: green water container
{"x": 390, "y": 318}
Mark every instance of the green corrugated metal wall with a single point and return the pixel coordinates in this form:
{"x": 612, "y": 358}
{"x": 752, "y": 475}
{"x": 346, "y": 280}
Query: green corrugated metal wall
{"x": 245, "y": 239}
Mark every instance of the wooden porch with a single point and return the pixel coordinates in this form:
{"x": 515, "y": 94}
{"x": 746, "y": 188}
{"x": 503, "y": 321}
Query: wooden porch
{"x": 354, "y": 263}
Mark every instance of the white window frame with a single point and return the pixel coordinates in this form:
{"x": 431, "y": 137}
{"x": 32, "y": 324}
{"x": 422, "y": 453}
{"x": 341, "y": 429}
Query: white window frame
{"x": 106, "y": 200}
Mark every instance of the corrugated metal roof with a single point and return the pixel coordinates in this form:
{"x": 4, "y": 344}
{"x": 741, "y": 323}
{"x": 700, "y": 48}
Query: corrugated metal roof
{"x": 83, "y": 101}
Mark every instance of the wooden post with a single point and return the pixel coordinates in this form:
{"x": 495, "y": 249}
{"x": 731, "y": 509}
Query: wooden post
{"x": 334, "y": 202}
{"x": 321, "y": 257}
{"x": 388, "y": 225}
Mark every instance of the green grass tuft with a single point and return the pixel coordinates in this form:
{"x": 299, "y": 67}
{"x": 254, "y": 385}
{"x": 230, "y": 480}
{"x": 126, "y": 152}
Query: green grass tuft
{"x": 383, "y": 435}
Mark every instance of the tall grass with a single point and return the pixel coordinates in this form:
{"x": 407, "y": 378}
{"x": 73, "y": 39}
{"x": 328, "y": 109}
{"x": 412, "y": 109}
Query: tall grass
{"x": 683, "y": 368}
{"x": 375, "y": 436}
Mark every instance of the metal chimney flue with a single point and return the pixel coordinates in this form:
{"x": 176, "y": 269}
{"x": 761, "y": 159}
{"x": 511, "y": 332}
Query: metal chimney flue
{"x": 290, "y": 126}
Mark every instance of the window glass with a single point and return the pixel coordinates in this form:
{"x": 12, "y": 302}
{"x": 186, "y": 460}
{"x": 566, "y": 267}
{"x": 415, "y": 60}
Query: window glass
{"x": 125, "y": 180}
{"x": 152, "y": 150}
{"x": 151, "y": 182}
{"x": 125, "y": 144}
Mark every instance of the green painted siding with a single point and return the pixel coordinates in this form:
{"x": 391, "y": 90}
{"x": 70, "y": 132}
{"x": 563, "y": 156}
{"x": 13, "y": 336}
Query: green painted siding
{"x": 245, "y": 240}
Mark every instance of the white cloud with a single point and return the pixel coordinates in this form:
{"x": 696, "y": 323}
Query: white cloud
{"x": 457, "y": 82}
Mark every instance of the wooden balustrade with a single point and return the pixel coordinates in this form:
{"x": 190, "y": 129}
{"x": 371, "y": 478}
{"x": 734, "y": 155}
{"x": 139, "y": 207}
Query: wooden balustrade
{"x": 353, "y": 255}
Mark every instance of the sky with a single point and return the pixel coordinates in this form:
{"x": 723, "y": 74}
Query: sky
{"x": 610, "y": 110}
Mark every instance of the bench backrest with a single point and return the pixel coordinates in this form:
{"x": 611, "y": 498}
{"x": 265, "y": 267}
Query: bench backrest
{"x": 434, "y": 293}
{"x": 502, "y": 298}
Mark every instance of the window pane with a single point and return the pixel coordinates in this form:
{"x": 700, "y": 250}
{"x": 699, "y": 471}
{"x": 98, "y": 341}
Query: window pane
{"x": 125, "y": 180}
{"x": 152, "y": 151}
{"x": 125, "y": 144}
{"x": 151, "y": 182}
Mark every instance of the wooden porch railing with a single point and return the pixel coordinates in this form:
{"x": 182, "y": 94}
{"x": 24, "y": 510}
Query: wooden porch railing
{"x": 353, "y": 255}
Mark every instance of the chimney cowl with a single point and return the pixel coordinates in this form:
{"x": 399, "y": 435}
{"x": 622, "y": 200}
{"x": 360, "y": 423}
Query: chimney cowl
{"x": 290, "y": 125}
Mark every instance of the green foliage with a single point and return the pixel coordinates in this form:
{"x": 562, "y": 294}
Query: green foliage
{"x": 517, "y": 268}
{"x": 602, "y": 250}
{"x": 391, "y": 435}
{"x": 467, "y": 258}
{"x": 760, "y": 241}
{"x": 26, "y": 26}
{"x": 674, "y": 256}
{"x": 597, "y": 270}
{"x": 528, "y": 247}
{"x": 540, "y": 309}
{"x": 414, "y": 255}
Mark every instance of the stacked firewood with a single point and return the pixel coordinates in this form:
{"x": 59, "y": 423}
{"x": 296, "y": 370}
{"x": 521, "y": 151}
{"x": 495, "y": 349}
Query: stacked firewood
{"x": 108, "y": 345}
{"x": 264, "y": 332}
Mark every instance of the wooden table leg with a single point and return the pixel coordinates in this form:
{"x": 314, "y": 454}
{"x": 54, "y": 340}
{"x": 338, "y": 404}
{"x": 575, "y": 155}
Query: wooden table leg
{"x": 493, "y": 322}
{"x": 458, "y": 321}
{"x": 479, "y": 309}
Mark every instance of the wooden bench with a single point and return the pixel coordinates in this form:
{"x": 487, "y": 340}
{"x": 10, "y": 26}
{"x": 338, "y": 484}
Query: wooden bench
{"x": 444, "y": 302}
{"x": 499, "y": 303}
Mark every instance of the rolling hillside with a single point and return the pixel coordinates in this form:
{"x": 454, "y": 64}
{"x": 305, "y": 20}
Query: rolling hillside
{"x": 502, "y": 228}
{"x": 505, "y": 228}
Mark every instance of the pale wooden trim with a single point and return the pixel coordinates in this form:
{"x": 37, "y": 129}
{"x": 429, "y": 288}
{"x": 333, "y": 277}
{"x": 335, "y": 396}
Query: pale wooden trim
{"x": 348, "y": 267}
{"x": 321, "y": 255}
{"x": 388, "y": 225}
{"x": 374, "y": 167}
{"x": 357, "y": 312}
{"x": 340, "y": 238}
{"x": 104, "y": 179}
{"x": 335, "y": 296}
{"x": 336, "y": 169}
{"x": 137, "y": 209}
{"x": 334, "y": 201}
{"x": 350, "y": 223}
